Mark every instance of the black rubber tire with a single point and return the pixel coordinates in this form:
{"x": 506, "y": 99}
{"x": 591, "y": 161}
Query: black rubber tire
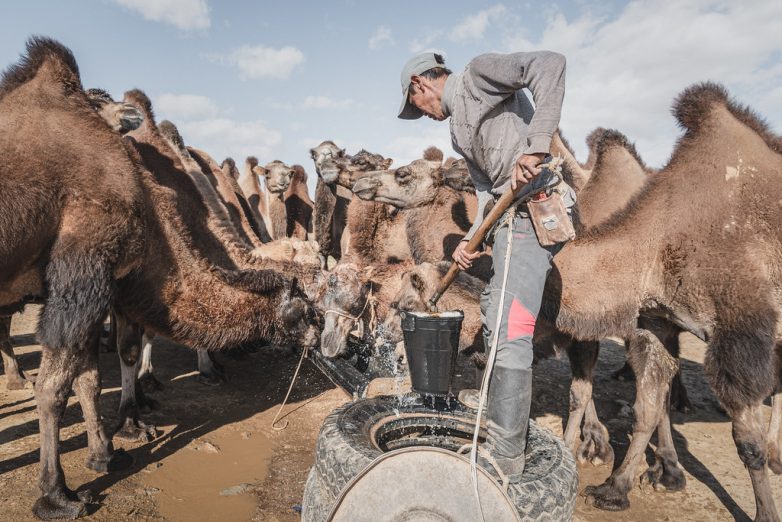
{"x": 547, "y": 491}
{"x": 317, "y": 502}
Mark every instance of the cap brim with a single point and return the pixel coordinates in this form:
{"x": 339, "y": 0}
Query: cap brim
{"x": 408, "y": 111}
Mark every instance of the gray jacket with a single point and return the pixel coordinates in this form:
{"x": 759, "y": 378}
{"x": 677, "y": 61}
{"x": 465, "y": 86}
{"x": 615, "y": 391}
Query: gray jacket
{"x": 493, "y": 122}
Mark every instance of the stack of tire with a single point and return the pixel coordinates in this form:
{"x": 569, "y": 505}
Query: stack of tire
{"x": 345, "y": 447}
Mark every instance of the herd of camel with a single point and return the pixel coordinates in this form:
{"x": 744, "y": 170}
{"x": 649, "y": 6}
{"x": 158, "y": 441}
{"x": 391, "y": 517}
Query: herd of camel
{"x": 104, "y": 212}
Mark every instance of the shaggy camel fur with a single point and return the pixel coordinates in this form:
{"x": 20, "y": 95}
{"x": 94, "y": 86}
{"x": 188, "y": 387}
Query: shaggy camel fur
{"x": 421, "y": 189}
{"x": 87, "y": 230}
{"x": 298, "y": 206}
{"x": 350, "y": 297}
{"x": 337, "y": 172}
{"x": 256, "y": 197}
{"x": 700, "y": 247}
{"x": 121, "y": 117}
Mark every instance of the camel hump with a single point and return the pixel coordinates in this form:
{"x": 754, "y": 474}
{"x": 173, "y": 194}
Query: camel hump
{"x": 40, "y": 50}
{"x": 251, "y": 162}
{"x": 140, "y": 99}
{"x": 299, "y": 174}
{"x": 228, "y": 163}
{"x": 432, "y": 153}
{"x": 609, "y": 138}
{"x": 171, "y": 133}
{"x": 694, "y": 105}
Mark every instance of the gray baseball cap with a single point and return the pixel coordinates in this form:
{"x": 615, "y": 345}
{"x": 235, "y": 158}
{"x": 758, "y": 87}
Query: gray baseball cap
{"x": 415, "y": 66}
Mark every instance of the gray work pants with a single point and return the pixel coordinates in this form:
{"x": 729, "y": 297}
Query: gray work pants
{"x": 530, "y": 263}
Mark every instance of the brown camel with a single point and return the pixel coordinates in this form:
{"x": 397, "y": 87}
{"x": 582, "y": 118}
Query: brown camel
{"x": 121, "y": 117}
{"x": 353, "y": 299}
{"x": 298, "y": 206}
{"x": 422, "y": 190}
{"x": 700, "y": 247}
{"x": 417, "y": 286}
{"x": 232, "y": 177}
{"x": 256, "y": 196}
{"x": 89, "y": 229}
{"x": 337, "y": 172}
{"x": 277, "y": 176}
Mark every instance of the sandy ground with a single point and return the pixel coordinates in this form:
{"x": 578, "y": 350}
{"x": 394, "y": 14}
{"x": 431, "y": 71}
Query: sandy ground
{"x": 216, "y": 456}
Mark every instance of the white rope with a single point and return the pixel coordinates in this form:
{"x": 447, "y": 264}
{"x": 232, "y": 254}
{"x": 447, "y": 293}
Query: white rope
{"x": 508, "y": 220}
{"x": 285, "y": 400}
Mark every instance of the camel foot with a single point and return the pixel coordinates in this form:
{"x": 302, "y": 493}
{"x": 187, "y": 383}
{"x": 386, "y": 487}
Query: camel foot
{"x": 606, "y": 496}
{"x": 149, "y": 383}
{"x": 625, "y": 373}
{"x": 17, "y": 383}
{"x": 136, "y": 431}
{"x": 212, "y": 379}
{"x": 664, "y": 475}
{"x": 117, "y": 460}
{"x": 595, "y": 446}
{"x": 63, "y": 503}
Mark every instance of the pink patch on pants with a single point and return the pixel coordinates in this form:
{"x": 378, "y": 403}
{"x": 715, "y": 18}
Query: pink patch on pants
{"x": 521, "y": 322}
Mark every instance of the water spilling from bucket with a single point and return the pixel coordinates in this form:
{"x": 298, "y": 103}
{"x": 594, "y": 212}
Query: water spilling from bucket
{"x": 432, "y": 345}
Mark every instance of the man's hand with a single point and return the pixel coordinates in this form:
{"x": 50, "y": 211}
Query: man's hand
{"x": 462, "y": 258}
{"x": 526, "y": 169}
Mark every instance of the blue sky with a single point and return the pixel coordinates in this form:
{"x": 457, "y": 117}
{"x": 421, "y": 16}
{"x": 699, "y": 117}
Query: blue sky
{"x": 275, "y": 78}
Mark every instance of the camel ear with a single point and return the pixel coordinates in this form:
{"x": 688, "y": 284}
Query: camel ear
{"x": 341, "y": 153}
{"x": 417, "y": 282}
{"x": 387, "y": 163}
{"x": 259, "y": 171}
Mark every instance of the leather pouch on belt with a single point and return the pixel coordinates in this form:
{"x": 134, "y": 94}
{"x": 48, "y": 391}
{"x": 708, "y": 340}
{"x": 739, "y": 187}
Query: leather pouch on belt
{"x": 550, "y": 219}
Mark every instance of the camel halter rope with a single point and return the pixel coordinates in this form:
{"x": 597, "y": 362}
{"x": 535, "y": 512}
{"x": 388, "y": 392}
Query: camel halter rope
{"x": 370, "y": 303}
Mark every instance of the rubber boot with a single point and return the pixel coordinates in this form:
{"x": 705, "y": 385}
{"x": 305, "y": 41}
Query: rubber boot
{"x": 507, "y": 419}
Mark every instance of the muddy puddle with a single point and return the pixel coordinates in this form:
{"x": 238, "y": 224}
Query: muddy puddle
{"x": 212, "y": 478}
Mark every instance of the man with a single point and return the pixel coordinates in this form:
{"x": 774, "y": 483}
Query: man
{"x": 504, "y": 140}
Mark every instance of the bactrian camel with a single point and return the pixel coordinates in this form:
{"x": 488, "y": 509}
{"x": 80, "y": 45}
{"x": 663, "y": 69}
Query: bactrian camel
{"x": 91, "y": 229}
{"x": 699, "y": 246}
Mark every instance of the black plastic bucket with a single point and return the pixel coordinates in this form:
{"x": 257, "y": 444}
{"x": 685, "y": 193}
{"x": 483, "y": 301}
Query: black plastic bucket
{"x": 432, "y": 344}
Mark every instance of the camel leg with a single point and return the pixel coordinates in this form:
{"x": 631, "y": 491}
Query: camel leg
{"x": 101, "y": 455}
{"x": 15, "y": 378}
{"x": 594, "y": 445}
{"x": 749, "y": 436}
{"x": 210, "y": 371}
{"x": 665, "y": 474}
{"x": 129, "y": 427}
{"x": 654, "y": 369}
{"x": 55, "y": 378}
{"x": 146, "y": 376}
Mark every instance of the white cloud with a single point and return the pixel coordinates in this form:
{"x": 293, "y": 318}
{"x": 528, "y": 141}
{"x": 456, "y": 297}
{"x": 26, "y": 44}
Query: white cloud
{"x": 184, "y": 14}
{"x": 261, "y": 62}
{"x": 406, "y": 148}
{"x": 223, "y": 137}
{"x": 474, "y": 26}
{"x": 185, "y": 106}
{"x": 382, "y": 35}
{"x": 625, "y": 72}
{"x": 324, "y": 102}
{"x": 419, "y": 45}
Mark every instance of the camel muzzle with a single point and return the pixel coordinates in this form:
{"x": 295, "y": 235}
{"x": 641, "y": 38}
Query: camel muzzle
{"x": 366, "y": 187}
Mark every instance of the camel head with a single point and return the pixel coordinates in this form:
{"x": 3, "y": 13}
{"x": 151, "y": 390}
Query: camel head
{"x": 417, "y": 286}
{"x": 410, "y": 186}
{"x": 122, "y": 117}
{"x": 324, "y": 155}
{"x": 298, "y": 317}
{"x": 341, "y": 296}
{"x": 278, "y": 176}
